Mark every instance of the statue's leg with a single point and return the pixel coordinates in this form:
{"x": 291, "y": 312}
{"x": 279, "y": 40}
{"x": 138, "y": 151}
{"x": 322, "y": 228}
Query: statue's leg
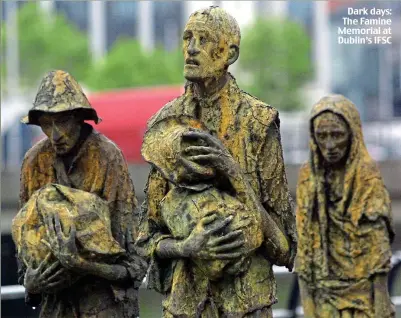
{"x": 382, "y": 305}
{"x": 308, "y": 303}
{"x": 347, "y": 313}
{"x": 207, "y": 312}
{"x": 262, "y": 313}
{"x": 327, "y": 310}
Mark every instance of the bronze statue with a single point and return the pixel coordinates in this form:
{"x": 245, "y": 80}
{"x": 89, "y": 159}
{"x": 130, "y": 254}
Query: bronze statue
{"x": 76, "y": 228}
{"x": 218, "y": 213}
{"x": 344, "y": 220}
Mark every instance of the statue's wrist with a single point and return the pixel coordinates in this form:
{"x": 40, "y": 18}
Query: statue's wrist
{"x": 78, "y": 264}
{"x": 183, "y": 248}
{"x": 232, "y": 169}
{"x": 31, "y": 287}
{"x": 172, "y": 248}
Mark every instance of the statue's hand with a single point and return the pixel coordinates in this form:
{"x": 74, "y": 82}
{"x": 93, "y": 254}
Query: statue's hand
{"x": 45, "y": 278}
{"x": 215, "y": 154}
{"x": 138, "y": 264}
{"x": 63, "y": 246}
{"x": 202, "y": 244}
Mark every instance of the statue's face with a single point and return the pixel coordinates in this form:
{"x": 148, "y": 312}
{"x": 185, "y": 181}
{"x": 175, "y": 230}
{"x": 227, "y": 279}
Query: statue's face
{"x": 332, "y": 136}
{"x": 205, "y": 51}
{"x": 62, "y": 129}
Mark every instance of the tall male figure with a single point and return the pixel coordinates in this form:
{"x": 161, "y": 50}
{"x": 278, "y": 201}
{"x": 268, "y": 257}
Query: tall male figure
{"x": 238, "y": 152}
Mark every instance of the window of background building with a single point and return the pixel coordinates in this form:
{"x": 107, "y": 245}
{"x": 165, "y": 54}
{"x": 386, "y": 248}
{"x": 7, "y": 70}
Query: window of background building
{"x": 121, "y": 20}
{"x": 303, "y": 13}
{"x": 260, "y": 8}
{"x": 397, "y": 82}
{"x": 356, "y": 69}
{"x": 3, "y": 20}
{"x": 348, "y": 76}
{"x": 75, "y": 11}
{"x": 396, "y": 10}
{"x": 369, "y": 80}
{"x": 4, "y": 8}
{"x": 168, "y": 23}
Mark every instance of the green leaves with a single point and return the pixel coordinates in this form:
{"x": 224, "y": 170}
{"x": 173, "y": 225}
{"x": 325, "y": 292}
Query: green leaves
{"x": 274, "y": 60}
{"x": 128, "y": 65}
{"x": 276, "y": 63}
{"x": 46, "y": 45}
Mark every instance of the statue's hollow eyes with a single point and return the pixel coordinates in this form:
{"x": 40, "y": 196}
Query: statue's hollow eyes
{"x": 202, "y": 40}
{"x": 58, "y": 122}
{"x": 187, "y": 36}
{"x": 338, "y": 134}
{"x": 333, "y": 134}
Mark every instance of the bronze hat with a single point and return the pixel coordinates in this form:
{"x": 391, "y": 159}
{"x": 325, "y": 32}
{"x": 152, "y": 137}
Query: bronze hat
{"x": 60, "y": 92}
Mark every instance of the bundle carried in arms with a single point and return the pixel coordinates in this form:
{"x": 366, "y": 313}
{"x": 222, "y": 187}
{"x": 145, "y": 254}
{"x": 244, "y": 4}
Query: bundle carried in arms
{"x": 87, "y": 211}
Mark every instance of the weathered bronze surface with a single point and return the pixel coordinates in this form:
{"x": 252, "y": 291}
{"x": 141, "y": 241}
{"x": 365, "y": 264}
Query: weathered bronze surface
{"x": 218, "y": 213}
{"x": 344, "y": 220}
{"x": 76, "y": 228}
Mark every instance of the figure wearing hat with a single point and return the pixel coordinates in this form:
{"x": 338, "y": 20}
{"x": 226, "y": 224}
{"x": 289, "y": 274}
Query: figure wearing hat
{"x": 74, "y": 158}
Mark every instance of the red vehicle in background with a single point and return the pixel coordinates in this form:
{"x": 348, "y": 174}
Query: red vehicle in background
{"x": 125, "y": 113}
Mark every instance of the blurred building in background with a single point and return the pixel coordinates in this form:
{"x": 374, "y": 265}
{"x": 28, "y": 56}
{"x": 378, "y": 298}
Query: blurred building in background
{"x": 370, "y": 75}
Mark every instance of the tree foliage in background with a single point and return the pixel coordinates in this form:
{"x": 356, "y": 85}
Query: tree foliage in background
{"x": 274, "y": 58}
{"x": 129, "y": 65}
{"x": 275, "y": 62}
{"x": 45, "y": 45}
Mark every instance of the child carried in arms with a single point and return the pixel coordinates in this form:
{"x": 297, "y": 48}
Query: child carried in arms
{"x": 199, "y": 192}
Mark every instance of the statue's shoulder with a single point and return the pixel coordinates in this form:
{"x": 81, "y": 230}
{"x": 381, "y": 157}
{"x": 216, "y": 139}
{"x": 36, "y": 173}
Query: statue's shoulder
{"x": 105, "y": 147}
{"x": 304, "y": 172}
{"x": 172, "y": 108}
{"x": 368, "y": 168}
{"x": 261, "y": 112}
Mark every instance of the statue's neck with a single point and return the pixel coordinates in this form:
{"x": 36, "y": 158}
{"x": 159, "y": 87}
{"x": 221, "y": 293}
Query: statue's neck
{"x": 210, "y": 87}
{"x": 70, "y": 156}
{"x": 337, "y": 169}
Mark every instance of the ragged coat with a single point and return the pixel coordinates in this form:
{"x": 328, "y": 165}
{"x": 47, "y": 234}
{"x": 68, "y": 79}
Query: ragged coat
{"x": 250, "y": 131}
{"x": 99, "y": 168}
{"x": 344, "y": 236}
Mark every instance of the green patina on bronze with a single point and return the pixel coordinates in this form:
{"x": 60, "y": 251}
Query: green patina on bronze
{"x": 60, "y": 92}
{"x": 198, "y": 193}
{"x": 217, "y": 213}
{"x": 344, "y": 220}
{"x": 88, "y": 213}
{"x": 75, "y": 230}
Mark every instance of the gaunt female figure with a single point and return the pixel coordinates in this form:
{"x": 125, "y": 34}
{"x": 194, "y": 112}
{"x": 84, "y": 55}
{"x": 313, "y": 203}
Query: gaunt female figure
{"x": 343, "y": 218}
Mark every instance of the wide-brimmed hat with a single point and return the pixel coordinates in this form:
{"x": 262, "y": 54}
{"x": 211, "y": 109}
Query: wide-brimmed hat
{"x": 60, "y": 92}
